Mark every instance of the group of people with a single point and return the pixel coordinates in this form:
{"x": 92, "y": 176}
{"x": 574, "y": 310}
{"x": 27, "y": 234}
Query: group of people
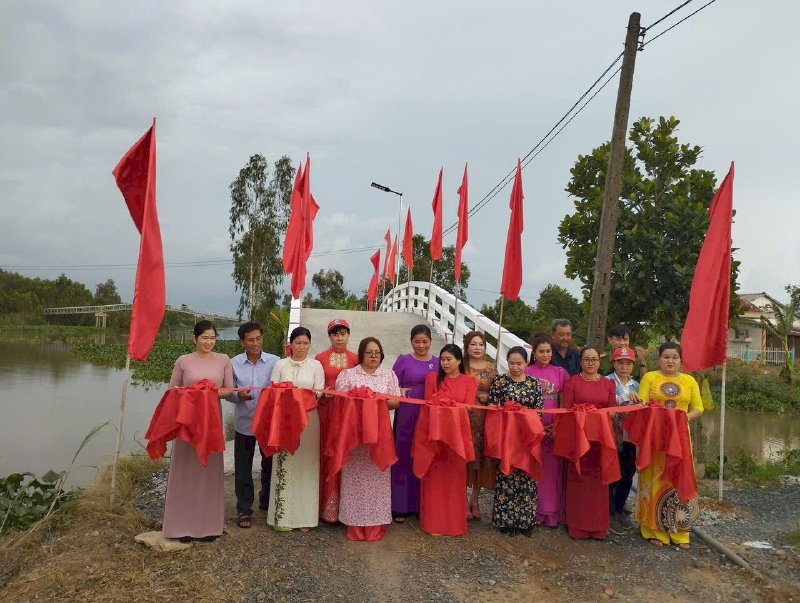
{"x": 299, "y": 489}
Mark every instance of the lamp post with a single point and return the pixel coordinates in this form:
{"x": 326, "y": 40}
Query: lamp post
{"x": 386, "y": 189}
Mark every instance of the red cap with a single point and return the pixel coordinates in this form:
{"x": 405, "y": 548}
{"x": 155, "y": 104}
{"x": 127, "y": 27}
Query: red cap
{"x": 338, "y": 322}
{"x": 624, "y": 353}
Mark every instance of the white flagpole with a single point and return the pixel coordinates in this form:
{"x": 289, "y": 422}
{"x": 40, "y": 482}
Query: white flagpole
{"x": 722, "y": 429}
{"x": 119, "y": 429}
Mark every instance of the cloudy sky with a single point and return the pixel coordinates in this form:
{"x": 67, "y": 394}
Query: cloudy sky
{"x": 388, "y": 92}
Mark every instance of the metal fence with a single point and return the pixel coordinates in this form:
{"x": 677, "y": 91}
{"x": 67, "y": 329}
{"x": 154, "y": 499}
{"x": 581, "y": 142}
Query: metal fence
{"x": 768, "y": 356}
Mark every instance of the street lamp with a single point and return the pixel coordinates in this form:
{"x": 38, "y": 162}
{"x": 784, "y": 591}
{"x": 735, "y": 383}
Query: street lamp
{"x": 386, "y": 189}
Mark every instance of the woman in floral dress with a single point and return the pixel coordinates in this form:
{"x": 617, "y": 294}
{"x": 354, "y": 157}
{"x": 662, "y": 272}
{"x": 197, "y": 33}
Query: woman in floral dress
{"x": 515, "y": 493}
{"x": 365, "y": 503}
{"x": 481, "y": 471}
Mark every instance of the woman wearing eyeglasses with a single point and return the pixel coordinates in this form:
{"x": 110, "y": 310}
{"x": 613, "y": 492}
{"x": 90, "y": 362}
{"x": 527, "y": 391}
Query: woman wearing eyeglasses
{"x": 365, "y": 499}
{"x": 586, "y": 496}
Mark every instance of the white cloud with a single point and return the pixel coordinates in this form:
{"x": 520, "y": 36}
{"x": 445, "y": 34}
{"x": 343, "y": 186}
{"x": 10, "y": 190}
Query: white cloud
{"x": 375, "y": 92}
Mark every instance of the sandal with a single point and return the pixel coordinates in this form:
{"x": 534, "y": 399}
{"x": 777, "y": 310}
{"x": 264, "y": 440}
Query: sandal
{"x": 400, "y": 519}
{"x": 683, "y": 546}
{"x": 655, "y": 542}
{"x": 244, "y": 521}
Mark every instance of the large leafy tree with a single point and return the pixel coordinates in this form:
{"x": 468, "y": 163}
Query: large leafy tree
{"x": 106, "y": 293}
{"x": 517, "y": 317}
{"x": 442, "y": 269}
{"x": 332, "y": 293}
{"x": 525, "y": 321}
{"x": 663, "y": 219}
{"x": 258, "y": 217}
{"x": 556, "y": 302}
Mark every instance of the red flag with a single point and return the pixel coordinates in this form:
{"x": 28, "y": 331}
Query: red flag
{"x": 292, "y": 229}
{"x": 372, "y": 290}
{"x": 300, "y": 231}
{"x": 463, "y": 223}
{"x": 705, "y": 333}
{"x": 136, "y": 179}
{"x": 436, "y": 234}
{"x": 388, "y": 238}
{"x": 512, "y": 263}
{"x": 392, "y": 260}
{"x": 309, "y": 212}
{"x": 408, "y": 245}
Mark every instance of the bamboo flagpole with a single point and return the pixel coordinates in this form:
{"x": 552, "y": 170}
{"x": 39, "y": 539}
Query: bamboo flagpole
{"x": 430, "y": 290}
{"x": 135, "y": 175}
{"x": 120, "y": 426}
{"x": 499, "y": 332}
{"x": 722, "y": 430}
{"x": 455, "y": 312}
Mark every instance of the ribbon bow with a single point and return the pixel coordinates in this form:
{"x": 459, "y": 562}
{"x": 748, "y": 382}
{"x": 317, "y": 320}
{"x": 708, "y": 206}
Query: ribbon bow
{"x": 585, "y": 407}
{"x": 282, "y": 385}
{"x": 511, "y": 406}
{"x": 362, "y": 392}
{"x": 439, "y": 399}
{"x": 201, "y": 385}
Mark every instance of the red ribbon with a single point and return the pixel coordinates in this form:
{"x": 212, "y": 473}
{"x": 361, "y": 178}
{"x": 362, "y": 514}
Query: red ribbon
{"x": 574, "y": 432}
{"x": 514, "y": 438}
{"x": 442, "y": 425}
{"x": 360, "y": 417}
{"x": 281, "y": 416}
{"x": 190, "y": 414}
{"x": 665, "y": 430}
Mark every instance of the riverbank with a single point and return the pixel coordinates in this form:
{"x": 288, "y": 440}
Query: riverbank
{"x": 88, "y": 553}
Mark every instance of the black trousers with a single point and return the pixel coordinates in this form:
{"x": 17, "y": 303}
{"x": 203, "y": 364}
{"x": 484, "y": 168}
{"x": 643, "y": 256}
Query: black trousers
{"x": 244, "y": 447}
{"x": 619, "y": 490}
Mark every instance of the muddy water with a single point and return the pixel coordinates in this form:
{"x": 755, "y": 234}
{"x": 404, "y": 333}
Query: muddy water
{"x": 50, "y": 400}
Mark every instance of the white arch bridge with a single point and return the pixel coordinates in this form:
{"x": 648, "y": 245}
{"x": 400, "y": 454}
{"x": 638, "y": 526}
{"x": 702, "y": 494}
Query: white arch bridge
{"x": 101, "y": 312}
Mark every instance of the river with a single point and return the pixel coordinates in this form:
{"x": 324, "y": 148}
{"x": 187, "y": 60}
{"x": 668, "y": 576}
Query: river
{"x": 49, "y": 401}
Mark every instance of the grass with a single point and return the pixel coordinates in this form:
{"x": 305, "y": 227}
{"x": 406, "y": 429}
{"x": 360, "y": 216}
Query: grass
{"x": 755, "y": 387}
{"x": 74, "y": 528}
{"x": 744, "y": 467}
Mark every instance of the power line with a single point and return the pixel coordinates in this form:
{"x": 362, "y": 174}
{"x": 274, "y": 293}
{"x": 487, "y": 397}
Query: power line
{"x": 673, "y": 26}
{"x": 191, "y": 264}
{"x": 556, "y": 130}
{"x": 508, "y": 177}
{"x": 669, "y": 14}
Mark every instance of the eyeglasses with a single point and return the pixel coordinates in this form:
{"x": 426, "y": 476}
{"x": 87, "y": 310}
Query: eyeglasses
{"x": 372, "y": 353}
{"x": 591, "y": 360}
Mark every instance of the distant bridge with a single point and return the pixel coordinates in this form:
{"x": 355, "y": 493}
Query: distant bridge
{"x": 101, "y": 312}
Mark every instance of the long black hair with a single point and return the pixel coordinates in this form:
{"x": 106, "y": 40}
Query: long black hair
{"x": 454, "y": 351}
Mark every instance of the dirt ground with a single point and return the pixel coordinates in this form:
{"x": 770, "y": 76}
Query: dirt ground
{"x": 97, "y": 560}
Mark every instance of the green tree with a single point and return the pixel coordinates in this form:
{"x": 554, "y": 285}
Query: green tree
{"x": 258, "y": 217}
{"x": 782, "y": 326}
{"x": 106, "y": 293}
{"x": 663, "y": 219}
{"x": 556, "y": 302}
{"x": 330, "y": 286}
{"x": 517, "y": 317}
{"x": 442, "y": 269}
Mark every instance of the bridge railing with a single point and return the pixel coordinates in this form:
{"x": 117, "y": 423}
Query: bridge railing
{"x": 123, "y": 307}
{"x": 451, "y": 318}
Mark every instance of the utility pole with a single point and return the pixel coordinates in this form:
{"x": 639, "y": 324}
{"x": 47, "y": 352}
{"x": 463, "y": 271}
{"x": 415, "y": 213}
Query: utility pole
{"x": 601, "y": 288}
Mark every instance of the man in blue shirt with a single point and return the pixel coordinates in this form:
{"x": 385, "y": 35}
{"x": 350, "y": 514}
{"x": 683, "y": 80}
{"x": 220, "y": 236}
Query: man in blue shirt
{"x": 252, "y": 368}
{"x": 564, "y": 355}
